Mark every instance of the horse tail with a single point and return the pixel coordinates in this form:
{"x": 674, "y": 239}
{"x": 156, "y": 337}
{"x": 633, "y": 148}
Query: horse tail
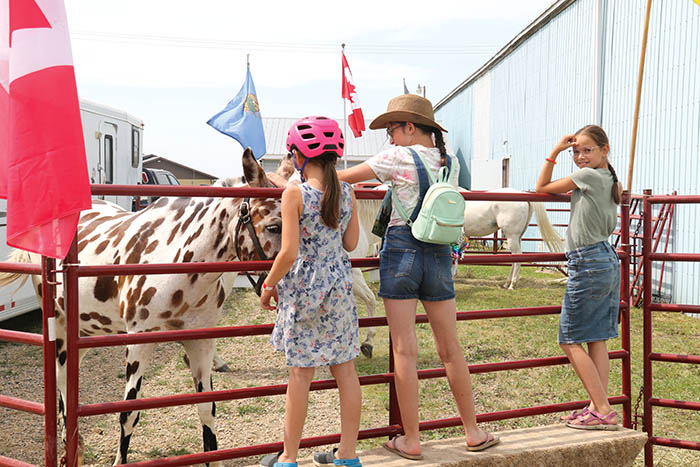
{"x": 367, "y": 210}
{"x": 17, "y": 256}
{"x": 551, "y": 238}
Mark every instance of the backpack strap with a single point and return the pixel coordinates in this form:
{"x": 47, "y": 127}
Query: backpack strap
{"x": 425, "y": 179}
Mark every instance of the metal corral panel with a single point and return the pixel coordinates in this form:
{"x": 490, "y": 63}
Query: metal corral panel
{"x": 544, "y": 84}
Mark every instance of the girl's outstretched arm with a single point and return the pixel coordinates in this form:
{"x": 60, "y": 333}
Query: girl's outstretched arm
{"x": 292, "y": 204}
{"x": 359, "y": 173}
{"x": 352, "y": 233}
{"x": 544, "y": 181}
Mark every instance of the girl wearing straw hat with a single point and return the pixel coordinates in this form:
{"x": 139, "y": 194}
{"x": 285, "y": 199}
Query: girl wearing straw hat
{"x": 411, "y": 270}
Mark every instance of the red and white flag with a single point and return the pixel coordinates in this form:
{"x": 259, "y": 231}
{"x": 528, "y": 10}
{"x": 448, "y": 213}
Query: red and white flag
{"x": 355, "y": 119}
{"x": 43, "y": 170}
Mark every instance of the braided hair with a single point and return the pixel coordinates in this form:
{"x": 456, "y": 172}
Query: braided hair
{"x": 597, "y": 134}
{"x": 439, "y": 140}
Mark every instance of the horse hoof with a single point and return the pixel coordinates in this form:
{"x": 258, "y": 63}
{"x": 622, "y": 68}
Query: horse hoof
{"x": 223, "y": 369}
{"x": 366, "y": 349}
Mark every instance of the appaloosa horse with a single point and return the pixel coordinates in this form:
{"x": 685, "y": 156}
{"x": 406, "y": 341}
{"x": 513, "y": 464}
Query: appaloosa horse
{"x": 171, "y": 230}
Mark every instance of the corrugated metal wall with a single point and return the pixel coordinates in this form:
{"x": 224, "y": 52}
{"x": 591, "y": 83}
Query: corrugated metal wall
{"x": 543, "y": 89}
{"x": 459, "y": 116}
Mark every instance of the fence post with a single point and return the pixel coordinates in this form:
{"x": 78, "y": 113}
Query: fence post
{"x": 625, "y": 310}
{"x": 48, "y": 295}
{"x": 647, "y": 347}
{"x": 70, "y": 291}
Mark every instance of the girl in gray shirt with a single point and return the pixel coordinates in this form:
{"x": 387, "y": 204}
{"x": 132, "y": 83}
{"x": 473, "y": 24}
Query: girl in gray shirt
{"x": 589, "y": 312}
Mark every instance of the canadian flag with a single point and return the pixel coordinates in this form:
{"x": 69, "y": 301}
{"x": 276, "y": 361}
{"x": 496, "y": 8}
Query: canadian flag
{"x": 43, "y": 170}
{"x": 355, "y": 119}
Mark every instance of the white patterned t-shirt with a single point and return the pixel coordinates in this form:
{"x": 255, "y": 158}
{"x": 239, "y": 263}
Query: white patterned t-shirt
{"x": 396, "y": 165}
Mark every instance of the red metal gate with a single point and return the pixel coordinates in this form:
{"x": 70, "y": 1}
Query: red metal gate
{"x": 73, "y": 271}
{"x": 649, "y": 355}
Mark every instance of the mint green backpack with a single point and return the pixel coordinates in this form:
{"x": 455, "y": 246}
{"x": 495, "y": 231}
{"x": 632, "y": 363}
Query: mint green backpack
{"x": 441, "y": 216}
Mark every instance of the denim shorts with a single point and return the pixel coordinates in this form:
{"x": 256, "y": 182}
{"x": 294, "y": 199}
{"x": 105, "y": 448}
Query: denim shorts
{"x": 409, "y": 268}
{"x": 592, "y": 299}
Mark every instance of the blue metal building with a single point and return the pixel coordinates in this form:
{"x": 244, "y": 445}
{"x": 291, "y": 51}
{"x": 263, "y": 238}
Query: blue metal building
{"x": 576, "y": 64}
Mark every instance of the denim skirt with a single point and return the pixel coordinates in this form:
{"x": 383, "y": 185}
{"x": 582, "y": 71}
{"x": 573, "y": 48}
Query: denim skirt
{"x": 591, "y": 304}
{"x": 409, "y": 268}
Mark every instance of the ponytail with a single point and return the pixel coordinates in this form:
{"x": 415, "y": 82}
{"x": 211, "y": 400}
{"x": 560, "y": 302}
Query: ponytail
{"x": 615, "y": 191}
{"x": 330, "y": 203}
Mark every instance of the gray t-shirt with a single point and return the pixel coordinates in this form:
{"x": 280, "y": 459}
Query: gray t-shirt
{"x": 593, "y": 211}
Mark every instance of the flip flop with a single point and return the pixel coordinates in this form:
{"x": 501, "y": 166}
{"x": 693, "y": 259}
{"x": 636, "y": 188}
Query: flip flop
{"x": 595, "y": 421}
{"x": 393, "y": 448}
{"x": 490, "y": 440}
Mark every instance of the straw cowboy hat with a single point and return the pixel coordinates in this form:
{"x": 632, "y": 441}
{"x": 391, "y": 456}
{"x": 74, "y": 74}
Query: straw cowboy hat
{"x": 407, "y": 108}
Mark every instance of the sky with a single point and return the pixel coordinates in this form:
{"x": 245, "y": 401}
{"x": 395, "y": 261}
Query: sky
{"x": 175, "y": 63}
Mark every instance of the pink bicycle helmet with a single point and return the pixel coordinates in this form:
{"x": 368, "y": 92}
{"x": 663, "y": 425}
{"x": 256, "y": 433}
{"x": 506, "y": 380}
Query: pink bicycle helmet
{"x": 313, "y": 136}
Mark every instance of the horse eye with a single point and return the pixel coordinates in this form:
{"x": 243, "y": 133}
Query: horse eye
{"x": 274, "y": 228}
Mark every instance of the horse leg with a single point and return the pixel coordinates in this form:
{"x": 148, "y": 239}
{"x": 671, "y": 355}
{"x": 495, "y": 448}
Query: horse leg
{"x": 364, "y": 293}
{"x": 515, "y": 248}
{"x": 218, "y": 363}
{"x": 201, "y": 353}
{"x": 138, "y": 358}
{"x": 61, "y": 385}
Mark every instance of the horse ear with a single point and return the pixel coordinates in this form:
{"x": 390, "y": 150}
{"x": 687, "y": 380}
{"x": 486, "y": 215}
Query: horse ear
{"x": 285, "y": 168}
{"x": 253, "y": 171}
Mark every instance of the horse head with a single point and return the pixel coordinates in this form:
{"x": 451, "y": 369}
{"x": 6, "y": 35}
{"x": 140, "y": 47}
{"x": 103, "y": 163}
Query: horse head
{"x": 257, "y": 230}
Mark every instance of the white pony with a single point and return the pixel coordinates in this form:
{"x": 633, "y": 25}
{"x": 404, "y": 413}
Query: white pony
{"x": 512, "y": 217}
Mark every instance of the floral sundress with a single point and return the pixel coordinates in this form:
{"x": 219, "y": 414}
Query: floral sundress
{"x": 317, "y": 315}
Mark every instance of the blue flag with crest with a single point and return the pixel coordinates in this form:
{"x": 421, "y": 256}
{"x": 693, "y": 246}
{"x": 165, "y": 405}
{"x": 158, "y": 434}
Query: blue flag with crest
{"x": 241, "y": 119}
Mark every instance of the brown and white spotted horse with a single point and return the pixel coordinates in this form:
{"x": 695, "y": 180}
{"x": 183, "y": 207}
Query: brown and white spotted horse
{"x": 171, "y": 230}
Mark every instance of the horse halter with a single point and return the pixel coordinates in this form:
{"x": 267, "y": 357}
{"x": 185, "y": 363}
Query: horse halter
{"x": 245, "y": 220}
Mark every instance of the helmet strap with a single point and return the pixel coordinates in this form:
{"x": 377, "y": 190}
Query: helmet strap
{"x": 299, "y": 169}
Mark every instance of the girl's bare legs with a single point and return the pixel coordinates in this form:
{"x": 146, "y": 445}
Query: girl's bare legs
{"x": 443, "y": 321}
{"x": 401, "y": 316}
{"x": 350, "y": 407}
{"x": 295, "y": 407}
{"x": 589, "y": 372}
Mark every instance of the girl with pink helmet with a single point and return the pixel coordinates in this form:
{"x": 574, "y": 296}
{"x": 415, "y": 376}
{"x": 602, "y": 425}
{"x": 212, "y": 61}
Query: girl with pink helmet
{"x": 311, "y": 283}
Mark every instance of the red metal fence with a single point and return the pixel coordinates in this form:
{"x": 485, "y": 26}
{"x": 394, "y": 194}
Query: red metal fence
{"x": 72, "y": 271}
{"x": 649, "y": 355}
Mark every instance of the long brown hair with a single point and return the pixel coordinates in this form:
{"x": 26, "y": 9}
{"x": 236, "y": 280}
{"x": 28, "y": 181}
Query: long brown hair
{"x": 598, "y": 135}
{"x": 330, "y": 202}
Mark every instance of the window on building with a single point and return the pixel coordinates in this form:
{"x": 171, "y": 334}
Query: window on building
{"x": 109, "y": 159}
{"x": 135, "y": 147}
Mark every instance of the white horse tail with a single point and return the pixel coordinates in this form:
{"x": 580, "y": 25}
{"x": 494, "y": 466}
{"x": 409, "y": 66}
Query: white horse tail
{"x": 367, "y": 210}
{"x": 551, "y": 238}
{"x": 17, "y": 256}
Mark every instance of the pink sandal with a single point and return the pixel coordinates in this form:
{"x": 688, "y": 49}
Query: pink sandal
{"x": 595, "y": 421}
{"x": 575, "y": 414}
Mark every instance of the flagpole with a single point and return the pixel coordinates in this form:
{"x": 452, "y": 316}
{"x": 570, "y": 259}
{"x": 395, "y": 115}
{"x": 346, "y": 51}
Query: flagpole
{"x": 345, "y": 123}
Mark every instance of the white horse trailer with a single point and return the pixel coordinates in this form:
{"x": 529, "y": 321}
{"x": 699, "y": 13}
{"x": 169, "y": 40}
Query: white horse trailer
{"x": 114, "y": 156}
